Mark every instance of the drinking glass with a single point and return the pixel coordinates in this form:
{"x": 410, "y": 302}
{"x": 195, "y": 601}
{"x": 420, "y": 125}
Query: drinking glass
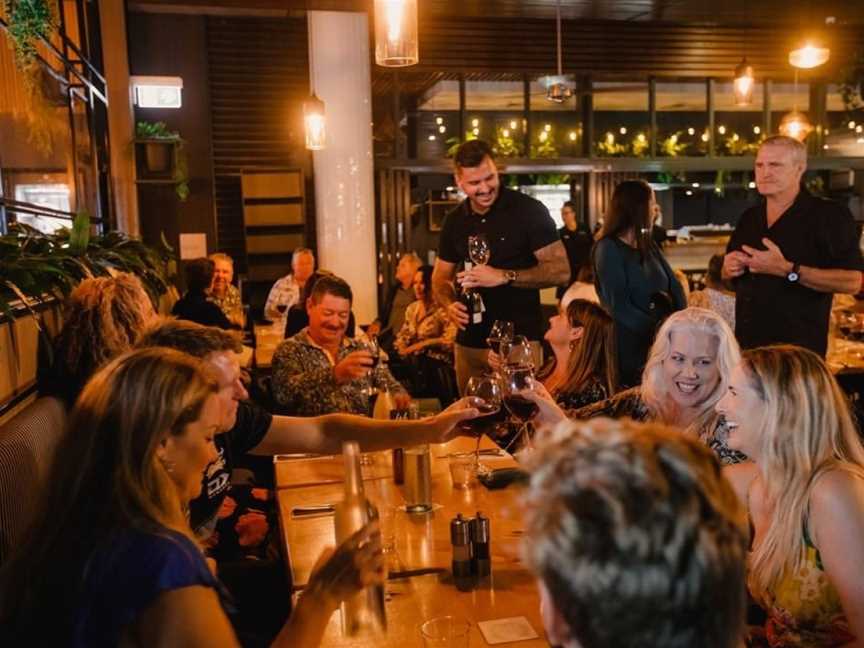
{"x": 463, "y": 469}
{"x": 516, "y": 378}
{"x": 488, "y": 390}
{"x": 501, "y": 330}
{"x": 446, "y": 632}
{"x": 517, "y": 352}
{"x": 478, "y": 249}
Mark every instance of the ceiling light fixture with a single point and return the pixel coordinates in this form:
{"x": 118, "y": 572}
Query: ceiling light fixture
{"x": 743, "y": 84}
{"x": 809, "y": 56}
{"x": 396, "y": 40}
{"x": 557, "y": 88}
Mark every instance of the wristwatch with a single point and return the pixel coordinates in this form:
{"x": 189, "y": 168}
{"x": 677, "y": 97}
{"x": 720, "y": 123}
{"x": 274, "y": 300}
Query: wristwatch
{"x": 794, "y": 274}
{"x": 511, "y": 276}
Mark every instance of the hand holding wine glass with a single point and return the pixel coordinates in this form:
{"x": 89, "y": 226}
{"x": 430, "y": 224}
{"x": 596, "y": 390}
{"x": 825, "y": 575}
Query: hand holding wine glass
{"x": 487, "y": 392}
{"x": 501, "y": 330}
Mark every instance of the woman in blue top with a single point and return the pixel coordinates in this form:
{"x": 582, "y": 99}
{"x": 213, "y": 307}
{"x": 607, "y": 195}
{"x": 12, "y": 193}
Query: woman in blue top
{"x": 109, "y": 558}
{"x": 633, "y": 279}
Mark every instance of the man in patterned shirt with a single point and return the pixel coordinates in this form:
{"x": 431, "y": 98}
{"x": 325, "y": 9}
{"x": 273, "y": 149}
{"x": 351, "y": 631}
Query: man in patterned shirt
{"x": 222, "y": 292}
{"x": 287, "y": 290}
{"x": 321, "y": 370}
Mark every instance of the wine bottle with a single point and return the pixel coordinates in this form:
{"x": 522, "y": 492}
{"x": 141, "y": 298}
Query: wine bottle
{"x": 363, "y": 613}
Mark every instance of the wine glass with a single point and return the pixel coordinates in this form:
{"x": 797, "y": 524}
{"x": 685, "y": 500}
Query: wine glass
{"x": 488, "y": 391}
{"x": 516, "y": 352}
{"x": 478, "y": 249}
{"x": 516, "y": 378}
{"x": 501, "y": 330}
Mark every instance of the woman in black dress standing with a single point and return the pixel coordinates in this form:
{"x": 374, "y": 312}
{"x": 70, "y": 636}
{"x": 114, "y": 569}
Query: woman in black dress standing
{"x": 633, "y": 279}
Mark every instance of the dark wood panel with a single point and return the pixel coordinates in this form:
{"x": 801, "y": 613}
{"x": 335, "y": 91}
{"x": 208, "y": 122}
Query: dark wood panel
{"x": 259, "y": 76}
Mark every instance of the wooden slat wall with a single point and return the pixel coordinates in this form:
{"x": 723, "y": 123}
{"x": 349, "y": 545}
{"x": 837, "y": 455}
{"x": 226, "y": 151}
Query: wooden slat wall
{"x": 259, "y": 76}
{"x": 606, "y": 48}
{"x": 393, "y": 224}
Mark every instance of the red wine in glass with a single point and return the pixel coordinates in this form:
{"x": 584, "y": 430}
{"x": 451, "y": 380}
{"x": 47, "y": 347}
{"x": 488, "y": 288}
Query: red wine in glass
{"x": 520, "y": 407}
{"x": 490, "y": 415}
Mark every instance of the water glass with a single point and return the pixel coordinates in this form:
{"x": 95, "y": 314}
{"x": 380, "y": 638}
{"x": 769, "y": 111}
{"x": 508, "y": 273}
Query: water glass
{"x": 463, "y": 469}
{"x": 446, "y": 632}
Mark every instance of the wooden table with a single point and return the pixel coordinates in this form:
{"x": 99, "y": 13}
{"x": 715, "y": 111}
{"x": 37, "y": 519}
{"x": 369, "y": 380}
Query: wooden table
{"x": 420, "y": 585}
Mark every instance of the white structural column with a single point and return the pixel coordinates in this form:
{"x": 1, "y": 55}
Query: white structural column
{"x": 344, "y": 182}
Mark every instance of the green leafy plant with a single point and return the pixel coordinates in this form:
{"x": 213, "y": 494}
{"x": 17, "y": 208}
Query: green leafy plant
{"x": 453, "y": 143}
{"x": 608, "y": 147}
{"x": 34, "y": 264}
{"x": 158, "y": 132}
{"x": 672, "y": 146}
{"x": 506, "y": 145}
{"x": 29, "y": 21}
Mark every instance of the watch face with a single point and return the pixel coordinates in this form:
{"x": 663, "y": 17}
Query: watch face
{"x": 792, "y": 276}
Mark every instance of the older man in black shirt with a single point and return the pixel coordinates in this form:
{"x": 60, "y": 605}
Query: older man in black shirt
{"x": 526, "y": 255}
{"x": 789, "y": 254}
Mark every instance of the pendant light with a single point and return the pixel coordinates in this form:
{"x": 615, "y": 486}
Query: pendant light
{"x": 314, "y": 123}
{"x": 396, "y": 40}
{"x": 557, "y": 89}
{"x": 809, "y": 56}
{"x": 795, "y": 125}
{"x": 742, "y": 86}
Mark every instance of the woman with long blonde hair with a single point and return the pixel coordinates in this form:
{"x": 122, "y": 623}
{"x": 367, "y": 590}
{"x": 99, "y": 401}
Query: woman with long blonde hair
{"x": 686, "y": 374}
{"x": 804, "y": 492}
{"x": 109, "y": 558}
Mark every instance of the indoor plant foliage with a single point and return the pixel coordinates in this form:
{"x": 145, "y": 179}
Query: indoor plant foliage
{"x": 158, "y": 144}
{"x": 34, "y": 265}
{"x": 29, "y": 21}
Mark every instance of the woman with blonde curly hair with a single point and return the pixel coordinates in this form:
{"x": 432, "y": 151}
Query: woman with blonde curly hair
{"x": 804, "y": 492}
{"x": 103, "y": 318}
{"x": 109, "y": 558}
{"x": 687, "y": 372}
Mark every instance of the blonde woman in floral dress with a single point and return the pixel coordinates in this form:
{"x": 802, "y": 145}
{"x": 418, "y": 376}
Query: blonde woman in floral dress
{"x": 804, "y": 492}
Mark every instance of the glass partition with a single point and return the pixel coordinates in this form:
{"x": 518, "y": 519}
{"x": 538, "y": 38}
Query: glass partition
{"x": 621, "y": 120}
{"x": 556, "y": 128}
{"x": 843, "y": 128}
{"x": 495, "y": 112}
{"x": 682, "y": 118}
{"x": 738, "y": 130}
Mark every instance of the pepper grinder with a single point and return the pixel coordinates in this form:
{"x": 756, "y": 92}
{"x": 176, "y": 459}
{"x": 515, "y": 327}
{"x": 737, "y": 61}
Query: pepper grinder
{"x": 480, "y": 538}
{"x": 460, "y": 538}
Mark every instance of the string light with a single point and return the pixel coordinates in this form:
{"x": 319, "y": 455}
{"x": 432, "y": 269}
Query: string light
{"x": 757, "y": 130}
{"x": 721, "y": 130}
{"x": 475, "y": 122}
{"x": 513, "y": 124}
{"x": 439, "y": 120}
{"x": 691, "y": 131}
{"x": 622, "y": 130}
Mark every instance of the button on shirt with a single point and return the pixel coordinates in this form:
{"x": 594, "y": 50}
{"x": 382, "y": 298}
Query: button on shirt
{"x": 516, "y": 226}
{"x": 813, "y": 232}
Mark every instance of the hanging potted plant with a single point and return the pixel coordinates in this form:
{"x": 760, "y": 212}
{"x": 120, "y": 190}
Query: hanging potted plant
{"x": 159, "y": 145}
{"x": 164, "y": 154}
{"x": 29, "y": 21}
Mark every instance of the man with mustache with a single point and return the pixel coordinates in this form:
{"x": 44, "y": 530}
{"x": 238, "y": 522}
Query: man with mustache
{"x": 321, "y": 370}
{"x": 526, "y": 255}
{"x": 789, "y": 254}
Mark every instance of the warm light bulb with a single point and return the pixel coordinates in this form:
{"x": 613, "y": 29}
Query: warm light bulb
{"x": 544, "y": 136}
{"x": 742, "y": 86}
{"x": 640, "y": 137}
{"x": 735, "y": 137}
{"x": 695, "y": 185}
{"x": 547, "y": 127}
{"x": 721, "y": 130}
{"x": 691, "y": 131}
{"x": 622, "y": 130}
{"x": 475, "y": 122}
{"x": 751, "y": 185}
{"x": 796, "y": 125}
{"x": 506, "y": 132}
{"x": 314, "y": 123}
{"x": 431, "y": 138}
{"x": 757, "y": 130}
{"x": 476, "y": 131}
{"x": 704, "y": 137}
{"x": 610, "y": 138}
{"x": 513, "y": 124}
{"x": 572, "y": 136}
{"x": 439, "y": 120}
{"x": 396, "y": 41}
{"x": 442, "y": 129}
{"x": 809, "y": 56}
{"x": 851, "y": 125}
{"x": 674, "y": 139}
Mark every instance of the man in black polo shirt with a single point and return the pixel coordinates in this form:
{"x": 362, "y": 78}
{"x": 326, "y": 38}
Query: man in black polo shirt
{"x": 788, "y": 255}
{"x": 577, "y": 241}
{"x": 526, "y": 255}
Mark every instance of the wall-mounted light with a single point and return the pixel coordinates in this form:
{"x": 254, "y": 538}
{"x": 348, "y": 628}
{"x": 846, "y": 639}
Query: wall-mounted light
{"x": 314, "y": 123}
{"x": 809, "y": 56}
{"x": 396, "y": 40}
{"x": 743, "y": 84}
{"x": 796, "y": 125}
{"x": 157, "y": 91}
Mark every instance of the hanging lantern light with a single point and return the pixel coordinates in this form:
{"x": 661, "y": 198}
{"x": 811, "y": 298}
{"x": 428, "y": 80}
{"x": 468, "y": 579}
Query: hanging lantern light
{"x": 795, "y": 125}
{"x": 557, "y": 89}
{"x": 396, "y": 41}
{"x": 809, "y": 56}
{"x": 314, "y": 123}
{"x": 743, "y": 84}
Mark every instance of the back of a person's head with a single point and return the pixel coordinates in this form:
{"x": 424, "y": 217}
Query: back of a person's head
{"x": 189, "y": 337}
{"x": 331, "y": 285}
{"x": 637, "y": 537}
{"x": 105, "y": 477}
{"x": 103, "y": 317}
{"x": 309, "y": 286}
{"x": 715, "y": 270}
{"x": 199, "y": 274}
{"x": 471, "y": 154}
{"x": 629, "y": 209}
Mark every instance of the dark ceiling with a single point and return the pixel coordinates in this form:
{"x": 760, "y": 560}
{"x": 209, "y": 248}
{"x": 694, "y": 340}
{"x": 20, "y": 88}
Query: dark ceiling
{"x": 732, "y": 12}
